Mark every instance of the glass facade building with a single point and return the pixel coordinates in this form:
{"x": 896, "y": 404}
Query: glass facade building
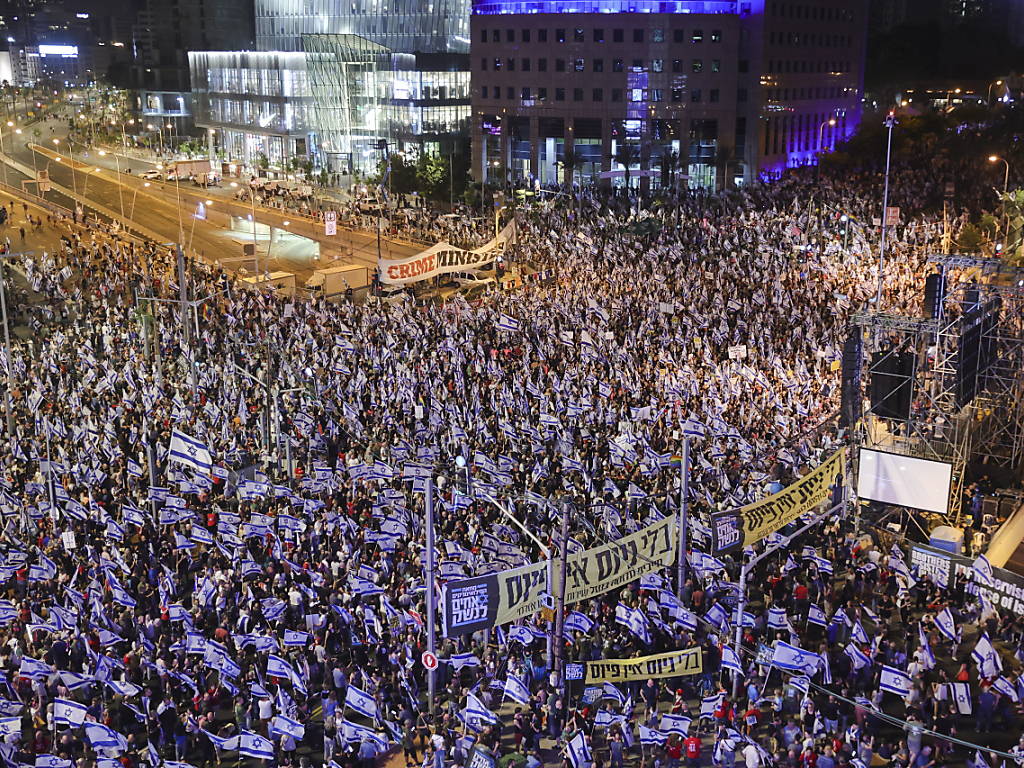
{"x": 352, "y": 75}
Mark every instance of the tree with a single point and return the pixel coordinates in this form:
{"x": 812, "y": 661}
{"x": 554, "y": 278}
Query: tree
{"x": 970, "y": 240}
{"x": 262, "y": 162}
{"x": 626, "y": 155}
{"x": 725, "y": 158}
{"x": 570, "y": 163}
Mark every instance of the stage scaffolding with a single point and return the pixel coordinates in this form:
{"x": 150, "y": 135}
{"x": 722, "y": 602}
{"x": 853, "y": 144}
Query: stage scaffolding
{"x": 983, "y": 431}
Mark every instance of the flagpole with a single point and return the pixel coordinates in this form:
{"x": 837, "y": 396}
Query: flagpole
{"x": 559, "y": 640}
{"x": 186, "y": 336}
{"x": 684, "y": 488}
{"x": 431, "y": 608}
{"x": 739, "y": 627}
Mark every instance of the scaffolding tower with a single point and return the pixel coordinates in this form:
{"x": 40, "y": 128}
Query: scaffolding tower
{"x": 971, "y": 419}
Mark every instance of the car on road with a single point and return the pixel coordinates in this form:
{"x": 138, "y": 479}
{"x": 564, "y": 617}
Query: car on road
{"x": 152, "y": 175}
{"x": 471, "y": 280}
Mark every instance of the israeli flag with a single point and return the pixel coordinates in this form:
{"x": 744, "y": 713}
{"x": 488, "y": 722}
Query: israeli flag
{"x": 516, "y": 690}
{"x": 460, "y": 660}
{"x": 253, "y": 745}
{"x": 857, "y": 656}
{"x": 578, "y": 752}
{"x": 69, "y": 713}
{"x": 506, "y": 323}
{"x": 475, "y": 710}
{"x": 102, "y": 737}
{"x": 1006, "y": 688}
{"x": 649, "y": 737}
{"x": 675, "y": 724}
{"x": 731, "y": 661}
{"x": 9, "y": 725}
{"x": 709, "y": 704}
{"x": 858, "y": 634}
{"x": 816, "y": 616}
{"x": 894, "y": 681}
{"x": 800, "y": 683}
{"x": 777, "y": 618}
{"x": 947, "y": 626}
{"x": 361, "y": 702}
{"x": 982, "y": 570}
{"x": 578, "y": 622}
{"x": 190, "y": 452}
{"x": 52, "y": 761}
{"x": 960, "y": 695}
{"x": 987, "y": 658}
{"x": 282, "y": 724}
{"x": 795, "y": 659}
{"x": 33, "y": 668}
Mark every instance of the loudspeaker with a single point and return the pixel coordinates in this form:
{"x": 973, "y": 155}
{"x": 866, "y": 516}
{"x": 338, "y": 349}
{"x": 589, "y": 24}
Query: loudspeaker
{"x": 891, "y": 374}
{"x": 850, "y": 394}
{"x": 934, "y": 287}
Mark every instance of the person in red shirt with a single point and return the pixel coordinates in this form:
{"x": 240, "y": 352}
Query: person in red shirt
{"x": 692, "y": 745}
{"x": 674, "y": 751}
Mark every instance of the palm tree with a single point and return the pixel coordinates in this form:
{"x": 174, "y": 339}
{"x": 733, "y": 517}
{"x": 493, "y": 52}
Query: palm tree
{"x": 571, "y": 162}
{"x": 725, "y": 158}
{"x": 625, "y": 155}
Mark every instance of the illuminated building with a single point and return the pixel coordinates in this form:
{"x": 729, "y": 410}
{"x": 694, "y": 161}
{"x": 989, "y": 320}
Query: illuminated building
{"x": 345, "y": 81}
{"x": 680, "y": 91}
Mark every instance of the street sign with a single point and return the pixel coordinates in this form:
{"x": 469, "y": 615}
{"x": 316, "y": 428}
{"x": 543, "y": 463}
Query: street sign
{"x": 429, "y": 660}
{"x": 331, "y": 223}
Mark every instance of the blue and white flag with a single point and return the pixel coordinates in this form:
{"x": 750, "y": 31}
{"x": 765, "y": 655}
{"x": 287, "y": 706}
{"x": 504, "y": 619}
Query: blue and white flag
{"x": 946, "y": 625}
{"x": 679, "y": 724}
{"x": 253, "y": 745}
{"x": 895, "y": 681}
{"x": 982, "y": 570}
{"x": 795, "y": 659}
{"x": 68, "y": 712}
{"x": 475, "y": 710}
{"x": 33, "y": 668}
{"x": 578, "y": 622}
{"x": 960, "y": 695}
{"x": 578, "y": 751}
{"x": 460, "y": 660}
{"x": 506, "y": 323}
{"x": 986, "y": 657}
{"x": 1006, "y": 688}
{"x": 9, "y": 725}
{"x": 190, "y": 452}
{"x": 52, "y": 761}
{"x": 282, "y": 724}
{"x": 777, "y": 618}
{"x": 649, "y": 737}
{"x": 816, "y": 616}
{"x": 857, "y": 656}
{"x": 731, "y": 661}
{"x": 516, "y": 690}
{"x": 361, "y": 702}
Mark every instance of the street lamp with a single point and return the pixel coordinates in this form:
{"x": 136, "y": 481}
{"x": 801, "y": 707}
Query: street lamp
{"x": 948, "y": 102}
{"x": 1006, "y": 183}
{"x": 120, "y": 194}
{"x": 988, "y": 98}
{"x": 10, "y": 124}
{"x": 821, "y": 129}
{"x": 71, "y": 155}
{"x": 134, "y": 198}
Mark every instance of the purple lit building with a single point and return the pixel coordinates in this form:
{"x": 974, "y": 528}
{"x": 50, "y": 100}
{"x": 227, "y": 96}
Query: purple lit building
{"x": 695, "y": 92}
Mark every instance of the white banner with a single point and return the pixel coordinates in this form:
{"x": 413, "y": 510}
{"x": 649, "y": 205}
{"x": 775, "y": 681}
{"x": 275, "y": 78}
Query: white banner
{"x": 440, "y": 259}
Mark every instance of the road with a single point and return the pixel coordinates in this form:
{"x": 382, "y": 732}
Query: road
{"x": 167, "y": 209}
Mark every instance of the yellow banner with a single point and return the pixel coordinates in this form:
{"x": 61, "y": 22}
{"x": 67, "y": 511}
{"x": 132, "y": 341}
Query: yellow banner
{"x": 671, "y": 664}
{"x": 747, "y": 525}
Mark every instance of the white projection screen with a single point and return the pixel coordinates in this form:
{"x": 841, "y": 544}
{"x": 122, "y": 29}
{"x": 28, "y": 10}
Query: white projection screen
{"x": 904, "y": 480}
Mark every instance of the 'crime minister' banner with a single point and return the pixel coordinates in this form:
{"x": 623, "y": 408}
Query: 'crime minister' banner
{"x": 671, "y": 664}
{"x": 440, "y": 259}
{"x": 499, "y": 598}
{"x": 742, "y": 527}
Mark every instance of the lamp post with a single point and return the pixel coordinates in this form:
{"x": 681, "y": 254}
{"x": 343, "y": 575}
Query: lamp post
{"x": 134, "y": 198}
{"x": 255, "y": 250}
{"x": 948, "y": 95}
{"x": 890, "y": 122}
{"x": 821, "y": 130}
{"x": 988, "y": 98}
{"x": 1006, "y": 183}
{"x": 71, "y": 155}
{"x": 117, "y": 164}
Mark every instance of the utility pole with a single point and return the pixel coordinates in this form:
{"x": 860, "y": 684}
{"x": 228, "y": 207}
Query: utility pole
{"x": 185, "y": 331}
{"x": 431, "y": 607}
{"x": 684, "y": 489}
{"x": 890, "y": 121}
{"x": 563, "y": 546}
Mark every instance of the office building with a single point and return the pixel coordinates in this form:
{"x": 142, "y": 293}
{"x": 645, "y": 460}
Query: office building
{"x": 661, "y": 92}
{"x": 366, "y": 77}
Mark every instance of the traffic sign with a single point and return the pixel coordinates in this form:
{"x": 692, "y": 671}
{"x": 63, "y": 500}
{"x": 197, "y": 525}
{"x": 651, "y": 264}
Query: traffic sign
{"x": 429, "y": 660}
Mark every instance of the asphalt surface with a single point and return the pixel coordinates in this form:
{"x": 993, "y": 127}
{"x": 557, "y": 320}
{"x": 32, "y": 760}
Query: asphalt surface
{"x": 167, "y": 209}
